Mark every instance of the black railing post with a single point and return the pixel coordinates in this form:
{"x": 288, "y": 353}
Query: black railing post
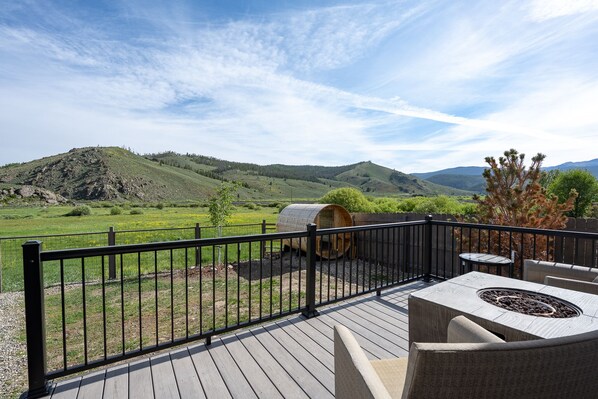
{"x": 428, "y": 248}
{"x": 197, "y": 251}
{"x": 111, "y": 258}
{"x": 34, "y": 320}
{"x": 310, "y": 283}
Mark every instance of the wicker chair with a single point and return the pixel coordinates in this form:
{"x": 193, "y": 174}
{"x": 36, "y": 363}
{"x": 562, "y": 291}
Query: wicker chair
{"x": 563, "y": 275}
{"x": 473, "y": 364}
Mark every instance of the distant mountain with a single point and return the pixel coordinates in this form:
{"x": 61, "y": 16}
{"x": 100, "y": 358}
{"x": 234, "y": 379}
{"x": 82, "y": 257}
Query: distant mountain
{"x": 458, "y": 171}
{"x": 112, "y": 173}
{"x": 470, "y": 177}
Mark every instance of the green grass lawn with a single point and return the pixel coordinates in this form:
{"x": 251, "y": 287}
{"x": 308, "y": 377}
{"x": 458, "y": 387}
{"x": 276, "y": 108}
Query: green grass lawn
{"x": 38, "y": 221}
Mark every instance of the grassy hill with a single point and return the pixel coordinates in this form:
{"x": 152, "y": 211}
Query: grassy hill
{"x": 112, "y": 173}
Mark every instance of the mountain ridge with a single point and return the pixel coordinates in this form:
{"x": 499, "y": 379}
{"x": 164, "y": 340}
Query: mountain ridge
{"x": 114, "y": 173}
{"x": 470, "y": 177}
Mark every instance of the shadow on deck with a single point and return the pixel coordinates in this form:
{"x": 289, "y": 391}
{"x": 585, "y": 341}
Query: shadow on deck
{"x": 292, "y": 357}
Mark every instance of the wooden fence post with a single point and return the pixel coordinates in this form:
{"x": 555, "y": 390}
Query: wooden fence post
{"x": 111, "y": 258}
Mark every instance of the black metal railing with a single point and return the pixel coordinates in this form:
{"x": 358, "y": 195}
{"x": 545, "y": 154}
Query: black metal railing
{"x": 11, "y": 277}
{"x": 170, "y": 293}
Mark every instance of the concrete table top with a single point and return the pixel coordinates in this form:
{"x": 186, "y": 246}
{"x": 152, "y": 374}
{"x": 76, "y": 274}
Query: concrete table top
{"x": 431, "y": 309}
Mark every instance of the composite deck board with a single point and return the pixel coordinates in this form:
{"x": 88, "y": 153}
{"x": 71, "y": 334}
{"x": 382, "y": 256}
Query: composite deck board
{"x": 186, "y": 376}
{"x": 92, "y": 385}
{"x": 211, "y": 380}
{"x": 269, "y": 364}
{"x": 305, "y": 342}
{"x": 67, "y": 389}
{"x": 140, "y": 380}
{"x": 117, "y": 382}
{"x": 163, "y": 378}
{"x": 375, "y": 343}
{"x": 262, "y": 385}
{"x": 304, "y": 379}
{"x": 290, "y": 357}
{"x": 233, "y": 377}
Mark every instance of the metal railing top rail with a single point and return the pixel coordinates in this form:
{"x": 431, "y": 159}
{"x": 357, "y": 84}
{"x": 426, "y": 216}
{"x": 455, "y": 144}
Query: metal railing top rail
{"x": 369, "y": 227}
{"x": 166, "y": 245}
{"x": 513, "y": 229}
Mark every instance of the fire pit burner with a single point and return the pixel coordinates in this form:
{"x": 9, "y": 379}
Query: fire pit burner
{"x": 529, "y": 303}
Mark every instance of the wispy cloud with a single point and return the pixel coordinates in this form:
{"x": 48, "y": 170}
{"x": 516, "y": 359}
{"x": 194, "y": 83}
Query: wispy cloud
{"x": 303, "y": 86}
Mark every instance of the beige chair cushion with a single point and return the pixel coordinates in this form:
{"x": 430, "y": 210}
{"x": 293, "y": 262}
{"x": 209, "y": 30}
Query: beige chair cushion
{"x": 571, "y": 284}
{"x": 392, "y": 373}
{"x": 463, "y": 330}
{"x": 536, "y": 270}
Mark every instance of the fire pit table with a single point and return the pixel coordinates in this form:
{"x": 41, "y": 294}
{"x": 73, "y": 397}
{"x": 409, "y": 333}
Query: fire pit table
{"x": 515, "y": 310}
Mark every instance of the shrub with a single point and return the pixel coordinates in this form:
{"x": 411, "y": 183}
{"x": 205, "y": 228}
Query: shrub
{"x": 252, "y": 206}
{"x": 136, "y": 211}
{"x": 281, "y": 205}
{"x": 160, "y": 206}
{"x": 351, "y": 199}
{"x": 116, "y": 210}
{"x": 81, "y": 210}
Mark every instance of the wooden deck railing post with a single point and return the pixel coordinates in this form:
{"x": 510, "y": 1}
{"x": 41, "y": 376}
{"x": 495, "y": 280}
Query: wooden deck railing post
{"x": 34, "y": 320}
{"x": 111, "y": 258}
{"x": 310, "y": 283}
{"x": 428, "y": 248}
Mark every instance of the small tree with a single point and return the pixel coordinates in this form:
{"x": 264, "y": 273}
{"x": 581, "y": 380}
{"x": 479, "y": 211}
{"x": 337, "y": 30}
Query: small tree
{"x": 577, "y": 181}
{"x": 220, "y": 206}
{"x": 516, "y": 198}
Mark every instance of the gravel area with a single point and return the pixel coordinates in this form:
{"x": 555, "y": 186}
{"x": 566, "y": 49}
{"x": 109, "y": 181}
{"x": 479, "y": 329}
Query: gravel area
{"x": 13, "y": 355}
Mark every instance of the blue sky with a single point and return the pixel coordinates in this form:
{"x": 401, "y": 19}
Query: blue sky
{"x": 412, "y": 85}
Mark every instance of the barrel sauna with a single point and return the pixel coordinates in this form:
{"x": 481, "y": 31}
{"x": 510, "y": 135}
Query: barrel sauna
{"x": 295, "y": 217}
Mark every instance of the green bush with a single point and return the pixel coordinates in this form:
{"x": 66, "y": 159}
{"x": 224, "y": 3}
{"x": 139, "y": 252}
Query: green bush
{"x": 281, "y": 205}
{"x": 81, "y": 210}
{"x": 351, "y": 199}
{"x": 136, "y": 211}
{"x": 160, "y": 206}
{"x": 116, "y": 210}
{"x": 385, "y": 205}
{"x": 252, "y": 206}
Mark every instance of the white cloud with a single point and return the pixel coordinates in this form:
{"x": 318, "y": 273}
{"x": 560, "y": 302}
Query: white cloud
{"x": 542, "y": 10}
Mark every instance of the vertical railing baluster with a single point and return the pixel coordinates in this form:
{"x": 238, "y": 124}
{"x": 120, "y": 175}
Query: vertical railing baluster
{"x": 122, "y": 304}
{"x": 186, "y": 293}
{"x": 226, "y": 285}
{"x": 172, "y": 295}
{"x": 139, "y": 289}
{"x": 104, "y": 305}
{"x": 238, "y": 283}
{"x": 63, "y": 310}
{"x": 156, "y": 293}
{"x": 84, "y": 311}
{"x": 262, "y": 249}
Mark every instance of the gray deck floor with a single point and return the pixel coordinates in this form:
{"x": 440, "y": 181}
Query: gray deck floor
{"x": 290, "y": 358}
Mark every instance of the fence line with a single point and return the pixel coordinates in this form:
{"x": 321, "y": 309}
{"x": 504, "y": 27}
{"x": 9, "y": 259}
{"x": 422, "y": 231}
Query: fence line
{"x": 11, "y": 273}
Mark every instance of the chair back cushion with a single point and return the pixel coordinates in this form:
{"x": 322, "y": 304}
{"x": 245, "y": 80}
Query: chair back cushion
{"x": 562, "y": 367}
{"x": 355, "y": 376}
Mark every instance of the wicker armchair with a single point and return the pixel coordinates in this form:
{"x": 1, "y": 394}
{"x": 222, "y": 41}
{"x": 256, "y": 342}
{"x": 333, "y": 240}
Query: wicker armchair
{"x": 473, "y": 364}
{"x": 562, "y": 275}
